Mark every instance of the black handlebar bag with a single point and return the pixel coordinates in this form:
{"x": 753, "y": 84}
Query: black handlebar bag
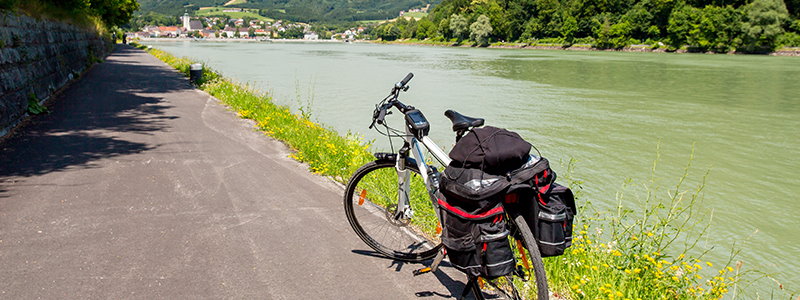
{"x": 474, "y": 229}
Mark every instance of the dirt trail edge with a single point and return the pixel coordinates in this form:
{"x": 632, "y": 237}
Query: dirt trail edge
{"x": 136, "y": 185}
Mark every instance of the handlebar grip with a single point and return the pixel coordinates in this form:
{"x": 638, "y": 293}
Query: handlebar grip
{"x": 407, "y": 79}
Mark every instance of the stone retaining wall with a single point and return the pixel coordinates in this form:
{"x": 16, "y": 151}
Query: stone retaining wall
{"x": 37, "y": 57}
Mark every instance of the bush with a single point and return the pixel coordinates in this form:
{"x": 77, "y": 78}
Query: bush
{"x": 789, "y": 39}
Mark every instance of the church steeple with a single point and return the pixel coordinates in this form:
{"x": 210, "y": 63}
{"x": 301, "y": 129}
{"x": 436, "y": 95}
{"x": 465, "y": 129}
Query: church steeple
{"x": 185, "y": 18}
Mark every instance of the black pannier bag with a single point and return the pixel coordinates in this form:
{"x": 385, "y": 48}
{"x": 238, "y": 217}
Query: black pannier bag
{"x": 548, "y": 207}
{"x": 489, "y": 163}
{"x": 553, "y": 222}
{"x": 474, "y": 232}
{"x": 490, "y": 149}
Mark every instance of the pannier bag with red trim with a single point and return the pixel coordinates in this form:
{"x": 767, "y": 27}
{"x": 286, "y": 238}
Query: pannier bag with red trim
{"x": 549, "y": 208}
{"x": 474, "y": 232}
{"x": 478, "y": 247}
{"x": 552, "y": 224}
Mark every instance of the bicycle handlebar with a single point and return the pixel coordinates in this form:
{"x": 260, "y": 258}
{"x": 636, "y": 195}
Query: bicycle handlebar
{"x": 406, "y": 80}
{"x": 382, "y": 110}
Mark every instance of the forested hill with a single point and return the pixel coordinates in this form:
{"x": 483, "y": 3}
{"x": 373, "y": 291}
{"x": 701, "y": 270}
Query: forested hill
{"x": 297, "y": 10}
{"x": 715, "y": 25}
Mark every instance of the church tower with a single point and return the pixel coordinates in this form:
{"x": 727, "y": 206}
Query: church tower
{"x": 185, "y": 20}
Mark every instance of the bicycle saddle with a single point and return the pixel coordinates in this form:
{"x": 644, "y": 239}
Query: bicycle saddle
{"x": 462, "y": 122}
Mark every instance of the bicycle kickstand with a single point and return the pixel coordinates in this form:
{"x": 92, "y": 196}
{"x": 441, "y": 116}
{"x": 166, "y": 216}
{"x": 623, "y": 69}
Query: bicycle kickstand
{"x": 434, "y": 266}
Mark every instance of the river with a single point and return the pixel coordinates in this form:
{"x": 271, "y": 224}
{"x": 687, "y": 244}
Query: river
{"x": 610, "y": 111}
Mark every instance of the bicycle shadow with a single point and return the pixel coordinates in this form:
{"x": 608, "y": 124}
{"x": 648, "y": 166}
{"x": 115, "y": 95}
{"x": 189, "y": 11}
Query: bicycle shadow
{"x": 454, "y": 287}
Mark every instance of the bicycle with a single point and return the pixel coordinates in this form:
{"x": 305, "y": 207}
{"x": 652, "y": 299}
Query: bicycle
{"x": 392, "y": 206}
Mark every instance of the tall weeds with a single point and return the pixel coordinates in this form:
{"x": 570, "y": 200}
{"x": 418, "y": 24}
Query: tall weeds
{"x": 649, "y": 253}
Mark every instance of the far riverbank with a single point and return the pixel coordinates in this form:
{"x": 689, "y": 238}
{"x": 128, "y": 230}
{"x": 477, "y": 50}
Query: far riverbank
{"x": 793, "y": 51}
{"x": 233, "y": 40}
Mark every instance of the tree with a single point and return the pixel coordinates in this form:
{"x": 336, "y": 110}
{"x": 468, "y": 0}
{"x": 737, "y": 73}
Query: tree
{"x": 388, "y": 31}
{"x": 424, "y": 29}
{"x": 112, "y": 12}
{"x": 410, "y": 29}
{"x": 568, "y": 29}
{"x": 237, "y": 34}
{"x": 762, "y": 26}
{"x": 444, "y": 28}
{"x": 251, "y": 32}
{"x": 480, "y": 30}
{"x": 293, "y": 32}
{"x": 458, "y": 26}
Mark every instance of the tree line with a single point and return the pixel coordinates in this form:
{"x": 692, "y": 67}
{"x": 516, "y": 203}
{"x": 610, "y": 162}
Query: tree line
{"x": 717, "y": 25}
{"x": 110, "y": 12}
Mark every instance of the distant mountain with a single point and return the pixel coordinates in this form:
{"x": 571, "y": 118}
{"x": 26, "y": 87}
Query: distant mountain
{"x": 297, "y": 10}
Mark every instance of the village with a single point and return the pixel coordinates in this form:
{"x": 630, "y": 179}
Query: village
{"x": 220, "y": 28}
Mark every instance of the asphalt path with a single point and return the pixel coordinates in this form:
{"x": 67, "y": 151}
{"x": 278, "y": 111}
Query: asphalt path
{"x": 136, "y": 185}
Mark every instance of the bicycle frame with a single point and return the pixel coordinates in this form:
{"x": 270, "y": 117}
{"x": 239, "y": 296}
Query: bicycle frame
{"x": 412, "y": 144}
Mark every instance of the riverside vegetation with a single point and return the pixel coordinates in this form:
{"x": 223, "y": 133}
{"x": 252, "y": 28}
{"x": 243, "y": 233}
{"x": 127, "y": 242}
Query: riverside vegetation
{"x": 716, "y": 26}
{"x": 624, "y": 254}
{"x": 100, "y": 15}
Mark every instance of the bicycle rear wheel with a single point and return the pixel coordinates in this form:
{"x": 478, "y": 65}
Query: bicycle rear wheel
{"x": 529, "y": 282}
{"x": 535, "y": 266}
{"x": 370, "y": 203}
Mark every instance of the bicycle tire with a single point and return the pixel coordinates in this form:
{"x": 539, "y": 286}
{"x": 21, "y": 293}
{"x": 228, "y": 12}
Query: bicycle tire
{"x": 360, "y": 211}
{"x": 539, "y": 275}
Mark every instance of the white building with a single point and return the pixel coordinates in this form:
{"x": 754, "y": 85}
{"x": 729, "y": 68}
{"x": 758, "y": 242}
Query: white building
{"x": 186, "y": 22}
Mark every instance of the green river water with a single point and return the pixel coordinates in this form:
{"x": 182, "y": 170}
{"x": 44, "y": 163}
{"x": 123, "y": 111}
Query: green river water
{"x": 608, "y": 110}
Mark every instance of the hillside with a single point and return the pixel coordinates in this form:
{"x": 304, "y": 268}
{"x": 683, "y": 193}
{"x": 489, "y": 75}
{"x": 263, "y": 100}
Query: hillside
{"x": 296, "y": 10}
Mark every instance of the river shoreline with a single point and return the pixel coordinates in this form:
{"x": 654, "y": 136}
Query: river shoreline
{"x": 794, "y": 51}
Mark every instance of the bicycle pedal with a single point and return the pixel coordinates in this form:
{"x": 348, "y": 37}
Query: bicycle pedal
{"x": 421, "y": 271}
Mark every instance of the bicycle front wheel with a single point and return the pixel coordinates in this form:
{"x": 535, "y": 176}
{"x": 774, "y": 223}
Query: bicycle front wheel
{"x": 370, "y": 203}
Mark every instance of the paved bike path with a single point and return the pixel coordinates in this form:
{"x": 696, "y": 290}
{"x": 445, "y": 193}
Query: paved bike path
{"x": 136, "y": 185}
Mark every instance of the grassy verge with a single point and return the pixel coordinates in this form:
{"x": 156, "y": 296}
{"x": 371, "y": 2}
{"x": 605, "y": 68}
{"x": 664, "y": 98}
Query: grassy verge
{"x": 624, "y": 254}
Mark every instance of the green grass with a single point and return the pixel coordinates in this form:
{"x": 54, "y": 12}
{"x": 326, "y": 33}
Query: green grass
{"x": 416, "y": 15}
{"x": 644, "y": 254}
{"x": 234, "y": 2}
{"x": 218, "y": 11}
{"x": 618, "y": 254}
